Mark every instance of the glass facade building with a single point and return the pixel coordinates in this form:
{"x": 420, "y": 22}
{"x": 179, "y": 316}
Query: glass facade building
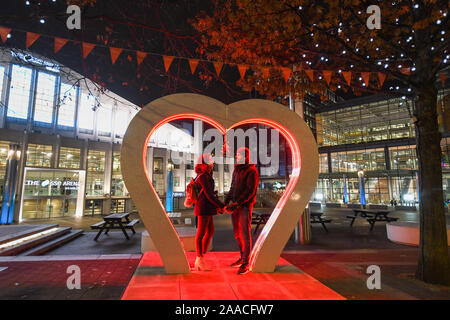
{"x": 378, "y": 138}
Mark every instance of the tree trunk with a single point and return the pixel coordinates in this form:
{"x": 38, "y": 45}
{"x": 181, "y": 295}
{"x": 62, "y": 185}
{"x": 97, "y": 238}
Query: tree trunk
{"x": 434, "y": 263}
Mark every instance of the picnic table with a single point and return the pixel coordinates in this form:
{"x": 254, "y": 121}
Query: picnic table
{"x": 372, "y": 216}
{"x": 115, "y": 221}
{"x": 316, "y": 217}
{"x": 259, "y": 218}
{"x": 175, "y": 217}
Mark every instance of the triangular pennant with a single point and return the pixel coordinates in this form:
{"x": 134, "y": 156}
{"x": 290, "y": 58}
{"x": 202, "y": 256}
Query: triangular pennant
{"x": 310, "y": 74}
{"x": 381, "y": 77}
{"x": 242, "y": 69}
{"x": 4, "y": 33}
{"x": 347, "y": 76}
{"x": 406, "y": 71}
{"x": 59, "y": 43}
{"x": 87, "y": 48}
{"x": 327, "y": 75}
{"x": 167, "y": 62}
{"x": 265, "y": 72}
{"x": 31, "y": 38}
{"x": 140, "y": 56}
{"x": 115, "y": 53}
{"x": 443, "y": 78}
{"x": 218, "y": 66}
{"x": 366, "y": 77}
{"x": 193, "y": 64}
{"x": 286, "y": 74}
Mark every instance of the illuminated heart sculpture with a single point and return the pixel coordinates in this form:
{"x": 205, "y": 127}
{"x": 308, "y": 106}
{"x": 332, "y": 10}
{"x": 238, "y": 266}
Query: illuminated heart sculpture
{"x": 276, "y": 232}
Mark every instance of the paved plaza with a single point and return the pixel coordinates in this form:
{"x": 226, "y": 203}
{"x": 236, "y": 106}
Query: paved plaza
{"x": 336, "y": 260}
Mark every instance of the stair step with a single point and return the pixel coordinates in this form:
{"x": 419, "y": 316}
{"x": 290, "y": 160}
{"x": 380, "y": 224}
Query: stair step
{"x": 48, "y": 246}
{"x": 21, "y": 234}
{"x": 21, "y": 247}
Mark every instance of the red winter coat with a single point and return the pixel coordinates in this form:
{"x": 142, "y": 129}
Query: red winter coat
{"x": 244, "y": 185}
{"x": 207, "y": 203}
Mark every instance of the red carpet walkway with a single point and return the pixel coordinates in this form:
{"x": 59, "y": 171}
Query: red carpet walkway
{"x": 222, "y": 283}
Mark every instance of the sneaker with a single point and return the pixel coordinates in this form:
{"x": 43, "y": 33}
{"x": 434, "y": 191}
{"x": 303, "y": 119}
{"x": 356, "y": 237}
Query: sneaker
{"x": 237, "y": 263}
{"x": 243, "y": 269}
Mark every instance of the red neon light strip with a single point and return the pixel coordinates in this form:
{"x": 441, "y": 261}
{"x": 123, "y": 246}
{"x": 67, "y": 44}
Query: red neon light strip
{"x": 296, "y": 163}
{"x": 296, "y": 167}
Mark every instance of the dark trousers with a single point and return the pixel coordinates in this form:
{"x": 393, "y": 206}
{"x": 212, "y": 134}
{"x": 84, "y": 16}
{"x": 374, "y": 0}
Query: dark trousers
{"x": 205, "y": 232}
{"x": 242, "y": 219}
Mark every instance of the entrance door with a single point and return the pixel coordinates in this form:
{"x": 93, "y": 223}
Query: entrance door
{"x": 49, "y": 194}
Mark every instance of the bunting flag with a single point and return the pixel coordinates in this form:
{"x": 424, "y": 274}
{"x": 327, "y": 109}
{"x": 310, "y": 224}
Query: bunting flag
{"x": 193, "y": 64}
{"x": 286, "y": 74}
{"x": 140, "y": 56}
{"x": 310, "y": 74}
{"x": 31, "y": 38}
{"x": 167, "y": 62}
{"x": 443, "y": 78}
{"x": 327, "y": 75}
{"x": 381, "y": 77}
{"x": 4, "y": 33}
{"x": 59, "y": 43}
{"x": 366, "y": 77}
{"x": 115, "y": 53}
{"x": 406, "y": 71}
{"x": 347, "y": 76}
{"x": 218, "y": 66}
{"x": 242, "y": 69}
{"x": 87, "y": 48}
{"x": 265, "y": 72}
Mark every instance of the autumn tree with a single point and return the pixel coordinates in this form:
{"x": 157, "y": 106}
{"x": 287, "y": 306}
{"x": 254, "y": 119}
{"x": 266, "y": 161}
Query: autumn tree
{"x": 328, "y": 44}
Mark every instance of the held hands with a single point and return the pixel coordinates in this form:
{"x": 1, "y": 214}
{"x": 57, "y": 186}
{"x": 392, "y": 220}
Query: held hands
{"x": 230, "y": 208}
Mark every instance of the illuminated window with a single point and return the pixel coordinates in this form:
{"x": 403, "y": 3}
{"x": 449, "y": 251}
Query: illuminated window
{"x": 95, "y": 178}
{"x": 45, "y": 98}
{"x": 2, "y": 73}
{"x": 67, "y": 105}
{"x": 4, "y": 148}
{"x": 104, "y": 120}
{"x": 121, "y": 122}
{"x": 19, "y": 92}
{"x": 39, "y": 155}
{"x": 86, "y": 114}
{"x": 69, "y": 158}
{"x": 117, "y": 184}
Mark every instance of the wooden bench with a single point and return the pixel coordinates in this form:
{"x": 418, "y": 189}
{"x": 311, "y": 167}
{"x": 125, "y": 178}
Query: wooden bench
{"x": 259, "y": 219}
{"x": 316, "y": 217}
{"x": 131, "y": 224}
{"x": 97, "y": 225}
{"x": 373, "y": 220}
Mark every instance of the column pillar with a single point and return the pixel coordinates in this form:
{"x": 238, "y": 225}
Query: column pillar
{"x": 9, "y": 193}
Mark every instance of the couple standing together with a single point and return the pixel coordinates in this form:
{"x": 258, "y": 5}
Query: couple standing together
{"x": 238, "y": 202}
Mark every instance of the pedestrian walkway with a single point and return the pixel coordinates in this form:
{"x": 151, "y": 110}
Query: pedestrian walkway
{"x": 223, "y": 283}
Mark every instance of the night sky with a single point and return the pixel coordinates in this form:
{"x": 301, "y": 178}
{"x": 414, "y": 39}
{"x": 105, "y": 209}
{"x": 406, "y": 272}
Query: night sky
{"x": 160, "y": 27}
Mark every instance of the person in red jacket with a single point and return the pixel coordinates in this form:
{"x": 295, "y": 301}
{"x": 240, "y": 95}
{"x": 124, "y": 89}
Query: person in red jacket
{"x": 242, "y": 194}
{"x": 206, "y": 207}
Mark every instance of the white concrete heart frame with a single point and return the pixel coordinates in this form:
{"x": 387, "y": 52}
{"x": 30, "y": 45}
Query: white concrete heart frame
{"x": 276, "y": 233}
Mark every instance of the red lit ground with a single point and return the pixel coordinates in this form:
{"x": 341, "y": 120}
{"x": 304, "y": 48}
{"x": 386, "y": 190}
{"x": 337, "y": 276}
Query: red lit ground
{"x": 222, "y": 283}
{"x": 45, "y": 277}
